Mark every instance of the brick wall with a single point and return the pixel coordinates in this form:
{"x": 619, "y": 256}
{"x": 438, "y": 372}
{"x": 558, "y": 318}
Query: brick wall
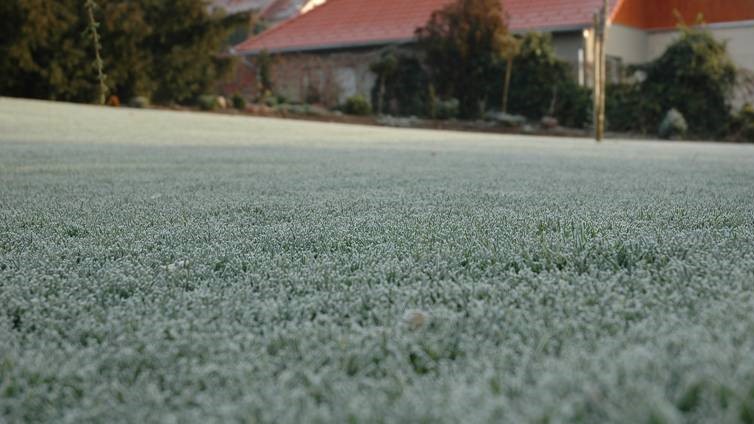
{"x": 326, "y": 78}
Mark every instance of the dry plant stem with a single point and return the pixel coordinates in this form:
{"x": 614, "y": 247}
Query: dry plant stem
{"x": 93, "y": 25}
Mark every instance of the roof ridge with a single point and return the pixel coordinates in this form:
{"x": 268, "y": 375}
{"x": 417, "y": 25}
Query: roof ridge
{"x": 240, "y": 46}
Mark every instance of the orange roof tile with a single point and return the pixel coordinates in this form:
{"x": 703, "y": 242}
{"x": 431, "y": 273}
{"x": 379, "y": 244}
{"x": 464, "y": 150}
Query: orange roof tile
{"x": 350, "y": 23}
{"x": 656, "y": 14}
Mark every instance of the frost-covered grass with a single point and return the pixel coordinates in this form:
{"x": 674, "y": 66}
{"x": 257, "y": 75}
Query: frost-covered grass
{"x": 174, "y": 267}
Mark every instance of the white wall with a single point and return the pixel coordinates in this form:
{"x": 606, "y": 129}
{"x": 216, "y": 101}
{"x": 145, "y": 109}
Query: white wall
{"x": 629, "y": 44}
{"x": 739, "y": 36}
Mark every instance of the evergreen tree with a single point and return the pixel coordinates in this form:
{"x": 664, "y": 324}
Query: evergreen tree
{"x": 463, "y": 43}
{"x": 167, "y": 50}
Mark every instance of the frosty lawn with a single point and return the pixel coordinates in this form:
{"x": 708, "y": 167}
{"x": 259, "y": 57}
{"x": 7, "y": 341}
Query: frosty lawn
{"x": 159, "y": 266}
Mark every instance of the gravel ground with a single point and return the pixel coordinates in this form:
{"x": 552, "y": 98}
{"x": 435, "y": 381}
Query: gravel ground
{"x": 181, "y": 267}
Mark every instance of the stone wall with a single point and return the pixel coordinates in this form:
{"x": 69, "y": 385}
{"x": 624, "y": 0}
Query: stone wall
{"x": 326, "y": 78}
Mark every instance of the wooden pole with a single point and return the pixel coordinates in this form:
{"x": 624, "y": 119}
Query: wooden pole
{"x": 600, "y": 71}
{"x": 595, "y": 76}
{"x": 603, "y": 51}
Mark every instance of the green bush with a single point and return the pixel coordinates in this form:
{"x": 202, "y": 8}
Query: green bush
{"x": 207, "y": 102}
{"x": 269, "y": 100}
{"x": 402, "y": 84}
{"x": 742, "y": 125}
{"x": 357, "y": 105}
{"x": 238, "y": 102}
{"x": 695, "y": 76}
{"x": 543, "y": 85}
{"x": 535, "y": 77}
{"x": 139, "y": 102}
{"x": 447, "y": 109}
{"x": 627, "y": 110}
{"x": 573, "y": 105}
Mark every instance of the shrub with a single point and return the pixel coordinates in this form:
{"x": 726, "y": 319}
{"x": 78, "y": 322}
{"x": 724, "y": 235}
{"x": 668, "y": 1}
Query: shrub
{"x": 402, "y": 85}
{"x": 207, "y": 102}
{"x": 264, "y": 62}
{"x": 627, "y": 109}
{"x": 139, "y": 102}
{"x": 447, "y": 109}
{"x": 543, "y": 85}
{"x": 268, "y": 99}
{"x": 536, "y": 74}
{"x": 357, "y": 105}
{"x": 384, "y": 69}
{"x": 695, "y": 76}
{"x": 238, "y": 102}
{"x": 673, "y": 126}
{"x": 742, "y": 125}
{"x": 573, "y": 104}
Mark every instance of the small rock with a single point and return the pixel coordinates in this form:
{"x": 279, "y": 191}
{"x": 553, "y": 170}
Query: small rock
{"x": 222, "y": 102}
{"x": 674, "y": 126}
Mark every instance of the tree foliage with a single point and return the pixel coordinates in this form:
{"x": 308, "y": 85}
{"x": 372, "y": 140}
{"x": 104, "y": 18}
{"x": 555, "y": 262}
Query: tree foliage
{"x": 43, "y": 53}
{"x": 695, "y": 75}
{"x": 463, "y": 43}
{"x": 402, "y": 86}
{"x": 168, "y": 50}
{"x": 536, "y": 75}
{"x": 542, "y": 84}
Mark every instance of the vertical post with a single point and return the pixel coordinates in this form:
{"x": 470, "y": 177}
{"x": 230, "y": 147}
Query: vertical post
{"x": 595, "y": 75}
{"x": 603, "y": 66}
{"x": 507, "y": 83}
{"x": 600, "y": 71}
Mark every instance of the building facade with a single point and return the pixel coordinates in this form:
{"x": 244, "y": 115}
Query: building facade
{"x": 325, "y": 54}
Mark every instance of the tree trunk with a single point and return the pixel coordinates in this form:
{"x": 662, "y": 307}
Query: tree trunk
{"x": 506, "y": 86}
{"x": 381, "y": 96}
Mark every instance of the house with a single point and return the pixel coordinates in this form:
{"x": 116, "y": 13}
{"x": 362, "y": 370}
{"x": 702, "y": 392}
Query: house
{"x": 326, "y": 53}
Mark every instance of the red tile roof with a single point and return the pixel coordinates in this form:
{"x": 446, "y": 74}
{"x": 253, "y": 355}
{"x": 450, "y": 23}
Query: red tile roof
{"x": 656, "y": 14}
{"x": 349, "y": 23}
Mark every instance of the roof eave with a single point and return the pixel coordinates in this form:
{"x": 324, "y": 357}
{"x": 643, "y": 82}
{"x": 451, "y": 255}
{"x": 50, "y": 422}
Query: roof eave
{"x": 382, "y": 42}
{"x": 553, "y": 29}
{"x": 334, "y": 46}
